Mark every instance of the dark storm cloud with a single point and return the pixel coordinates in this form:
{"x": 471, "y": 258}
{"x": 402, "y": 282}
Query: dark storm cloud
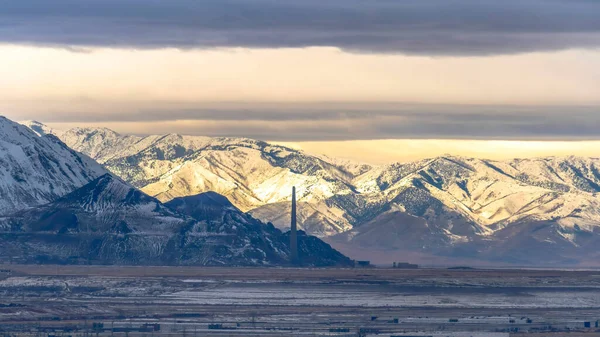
{"x": 434, "y": 27}
{"x": 380, "y": 121}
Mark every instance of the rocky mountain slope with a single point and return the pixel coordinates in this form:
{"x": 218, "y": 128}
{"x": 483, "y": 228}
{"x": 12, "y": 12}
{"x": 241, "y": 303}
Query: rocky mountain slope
{"x": 248, "y": 240}
{"x": 35, "y": 170}
{"x": 445, "y": 206}
{"x": 105, "y": 221}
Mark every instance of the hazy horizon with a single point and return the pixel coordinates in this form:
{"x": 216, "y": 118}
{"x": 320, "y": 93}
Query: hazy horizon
{"x": 385, "y": 151}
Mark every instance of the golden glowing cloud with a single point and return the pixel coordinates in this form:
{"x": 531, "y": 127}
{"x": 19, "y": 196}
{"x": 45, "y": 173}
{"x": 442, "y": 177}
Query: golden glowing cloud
{"x": 126, "y": 76}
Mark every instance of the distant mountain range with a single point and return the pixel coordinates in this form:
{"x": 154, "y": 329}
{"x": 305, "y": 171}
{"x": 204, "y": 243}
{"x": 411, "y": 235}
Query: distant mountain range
{"x": 59, "y": 206}
{"x": 542, "y": 211}
{"x": 250, "y": 173}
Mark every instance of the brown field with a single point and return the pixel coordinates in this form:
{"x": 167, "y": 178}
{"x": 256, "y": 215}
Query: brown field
{"x": 294, "y": 273}
{"x": 68, "y": 300}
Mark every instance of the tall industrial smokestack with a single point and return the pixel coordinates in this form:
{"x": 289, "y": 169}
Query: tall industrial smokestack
{"x": 293, "y": 230}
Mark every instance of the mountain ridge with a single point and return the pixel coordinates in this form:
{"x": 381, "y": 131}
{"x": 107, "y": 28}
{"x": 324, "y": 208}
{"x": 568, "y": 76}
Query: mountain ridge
{"x": 465, "y": 202}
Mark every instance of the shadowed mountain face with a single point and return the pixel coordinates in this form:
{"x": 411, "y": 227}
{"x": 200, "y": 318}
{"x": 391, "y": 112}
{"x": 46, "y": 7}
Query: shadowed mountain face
{"x": 241, "y": 232}
{"x": 204, "y": 206}
{"x": 445, "y": 206}
{"x": 104, "y": 205}
{"x": 109, "y": 222}
{"x": 106, "y": 221}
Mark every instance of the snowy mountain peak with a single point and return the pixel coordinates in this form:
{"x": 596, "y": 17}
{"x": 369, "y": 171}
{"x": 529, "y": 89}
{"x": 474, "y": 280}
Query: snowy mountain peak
{"x": 39, "y": 128}
{"x": 106, "y": 192}
{"x": 38, "y": 169}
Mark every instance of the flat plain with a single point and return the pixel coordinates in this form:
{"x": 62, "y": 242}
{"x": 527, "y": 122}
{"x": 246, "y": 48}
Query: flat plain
{"x": 43, "y": 300}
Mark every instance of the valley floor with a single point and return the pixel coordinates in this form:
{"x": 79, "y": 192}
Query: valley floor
{"x": 130, "y": 301}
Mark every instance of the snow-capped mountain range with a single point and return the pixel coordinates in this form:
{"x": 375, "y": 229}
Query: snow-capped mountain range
{"x": 60, "y": 206}
{"x": 251, "y": 173}
{"x": 446, "y": 206}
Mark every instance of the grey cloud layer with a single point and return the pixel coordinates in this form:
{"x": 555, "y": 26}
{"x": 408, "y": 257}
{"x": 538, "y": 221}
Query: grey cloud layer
{"x": 437, "y": 27}
{"x": 399, "y": 121}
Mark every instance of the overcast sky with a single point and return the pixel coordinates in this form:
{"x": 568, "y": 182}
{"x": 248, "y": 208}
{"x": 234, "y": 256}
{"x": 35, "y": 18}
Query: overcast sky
{"x": 430, "y": 27}
{"x": 298, "y": 71}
